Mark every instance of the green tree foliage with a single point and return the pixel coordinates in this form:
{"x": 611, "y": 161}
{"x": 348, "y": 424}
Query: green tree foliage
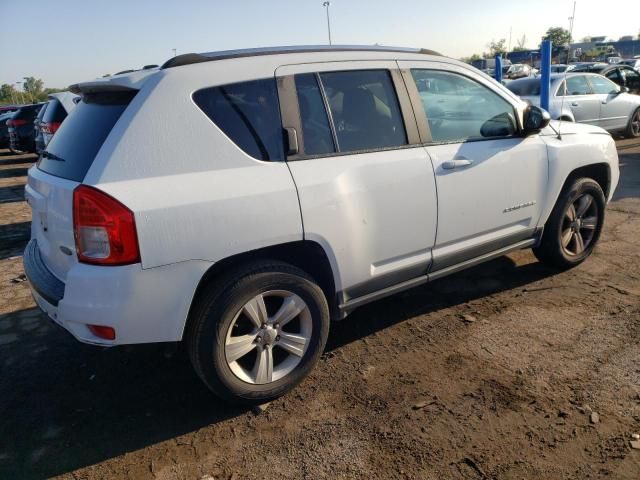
{"x": 472, "y": 58}
{"x": 33, "y": 88}
{"x": 499, "y": 47}
{"x": 558, "y": 36}
{"x": 33, "y": 91}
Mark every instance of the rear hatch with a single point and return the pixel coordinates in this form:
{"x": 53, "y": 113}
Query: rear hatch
{"x": 61, "y": 167}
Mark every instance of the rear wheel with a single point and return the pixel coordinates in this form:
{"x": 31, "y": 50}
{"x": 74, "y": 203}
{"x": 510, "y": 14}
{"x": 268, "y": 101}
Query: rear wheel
{"x": 574, "y": 226}
{"x": 258, "y": 333}
{"x": 633, "y": 129}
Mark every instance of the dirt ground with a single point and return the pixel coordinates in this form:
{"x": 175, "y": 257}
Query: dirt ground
{"x": 491, "y": 373}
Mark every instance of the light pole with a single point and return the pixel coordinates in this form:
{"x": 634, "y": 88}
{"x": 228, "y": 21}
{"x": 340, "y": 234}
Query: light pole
{"x": 327, "y": 5}
{"x": 174, "y": 51}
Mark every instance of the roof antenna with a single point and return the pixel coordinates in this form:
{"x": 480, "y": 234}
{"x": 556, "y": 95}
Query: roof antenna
{"x": 566, "y": 71}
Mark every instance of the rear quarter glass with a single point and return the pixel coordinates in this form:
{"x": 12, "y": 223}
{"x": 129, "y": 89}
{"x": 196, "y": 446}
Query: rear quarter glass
{"x": 82, "y": 134}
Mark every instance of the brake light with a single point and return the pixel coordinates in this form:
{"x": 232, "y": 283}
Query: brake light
{"x": 50, "y": 127}
{"x": 16, "y": 122}
{"x": 104, "y": 229}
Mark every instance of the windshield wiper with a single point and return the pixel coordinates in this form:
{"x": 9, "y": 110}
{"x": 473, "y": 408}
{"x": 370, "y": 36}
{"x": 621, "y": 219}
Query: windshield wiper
{"x": 52, "y": 156}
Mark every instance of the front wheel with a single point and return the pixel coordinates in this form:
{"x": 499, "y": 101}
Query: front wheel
{"x": 574, "y": 226}
{"x": 258, "y": 333}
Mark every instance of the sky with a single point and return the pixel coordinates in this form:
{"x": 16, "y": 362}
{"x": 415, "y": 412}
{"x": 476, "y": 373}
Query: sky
{"x": 67, "y": 41}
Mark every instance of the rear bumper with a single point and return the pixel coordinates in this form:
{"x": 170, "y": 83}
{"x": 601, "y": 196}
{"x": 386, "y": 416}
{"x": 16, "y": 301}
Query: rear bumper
{"x": 142, "y": 306}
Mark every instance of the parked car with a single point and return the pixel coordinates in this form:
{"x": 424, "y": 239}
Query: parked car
{"x": 518, "y": 70}
{"x": 59, "y": 106}
{"x": 39, "y": 136}
{"x": 586, "y": 98}
{"x": 299, "y": 184}
{"x": 623, "y": 75}
{"x": 21, "y": 132}
{"x": 561, "y": 68}
{"x": 632, "y": 62}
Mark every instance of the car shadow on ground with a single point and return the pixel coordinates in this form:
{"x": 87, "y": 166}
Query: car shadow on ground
{"x": 13, "y": 238}
{"x": 13, "y": 172}
{"x": 629, "y": 184}
{"x": 66, "y": 405}
{"x": 12, "y": 193}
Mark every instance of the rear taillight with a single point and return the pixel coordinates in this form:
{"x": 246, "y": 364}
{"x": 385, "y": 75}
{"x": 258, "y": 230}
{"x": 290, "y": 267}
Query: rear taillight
{"x": 104, "y": 229}
{"x": 50, "y": 127}
{"x": 16, "y": 122}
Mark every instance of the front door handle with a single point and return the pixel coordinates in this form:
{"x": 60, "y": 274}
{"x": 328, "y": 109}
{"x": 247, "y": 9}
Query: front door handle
{"x": 458, "y": 163}
{"x": 575, "y": 104}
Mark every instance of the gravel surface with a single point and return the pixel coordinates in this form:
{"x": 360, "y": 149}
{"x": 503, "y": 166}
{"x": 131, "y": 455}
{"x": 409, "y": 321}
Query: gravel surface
{"x": 510, "y": 371}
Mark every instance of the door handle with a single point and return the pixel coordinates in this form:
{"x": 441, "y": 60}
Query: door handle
{"x": 575, "y": 104}
{"x": 458, "y": 163}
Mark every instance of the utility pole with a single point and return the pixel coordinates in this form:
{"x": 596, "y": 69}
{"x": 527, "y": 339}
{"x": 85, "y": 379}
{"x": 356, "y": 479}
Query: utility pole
{"x": 174, "y": 51}
{"x": 509, "y": 47}
{"x": 20, "y": 98}
{"x": 327, "y": 5}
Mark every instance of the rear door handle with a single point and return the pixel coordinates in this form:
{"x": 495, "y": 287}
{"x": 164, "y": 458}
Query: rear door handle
{"x": 575, "y": 104}
{"x": 458, "y": 163}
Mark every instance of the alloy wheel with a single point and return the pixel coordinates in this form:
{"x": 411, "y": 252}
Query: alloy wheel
{"x": 579, "y": 225}
{"x": 268, "y": 337}
{"x": 635, "y": 124}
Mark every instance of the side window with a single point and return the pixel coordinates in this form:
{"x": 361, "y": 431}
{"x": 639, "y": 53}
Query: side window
{"x": 249, "y": 114}
{"x": 460, "y": 109}
{"x": 365, "y": 110}
{"x": 577, "y": 86}
{"x": 318, "y": 138}
{"x": 603, "y": 86}
{"x": 614, "y": 76}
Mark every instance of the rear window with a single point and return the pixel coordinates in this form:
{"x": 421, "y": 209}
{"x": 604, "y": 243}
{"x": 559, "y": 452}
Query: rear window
{"x": 55, "y": 112}
{"x": 28, "y": 113}
{"x": 249, "y": 114}
{"x": 41, "y": 112}
{"x": 75, "y": 145}
{"x": 525, "y": 88}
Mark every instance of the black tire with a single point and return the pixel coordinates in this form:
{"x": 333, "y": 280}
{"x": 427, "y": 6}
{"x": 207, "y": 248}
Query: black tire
{"x": 214, "y": 312}
{"x": 633, "y": 129}
{"x": 551, "y": 250}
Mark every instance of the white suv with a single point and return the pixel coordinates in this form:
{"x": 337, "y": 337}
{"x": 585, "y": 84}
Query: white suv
{"x": 238, "y": 201}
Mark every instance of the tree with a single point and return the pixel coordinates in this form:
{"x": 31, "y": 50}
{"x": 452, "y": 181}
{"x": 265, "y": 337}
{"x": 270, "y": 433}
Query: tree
{"x": 7, "y": 93}
{"x": 33, "y": 87}
{"x": 498, "y": 47}
{"x": 520, "y": 44}
{"x": 472, "y": 58}
{"x": 558, "y": 36}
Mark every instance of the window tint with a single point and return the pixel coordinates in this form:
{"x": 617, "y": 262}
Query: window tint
{"x": 460, "y": 109}
{"x": 55, "y": 112}
{"x": 249, "y": 114}
{"x": 602, "y": 85}
{"x": 364, "y": 108}
{"x": 577, "y": 86}
{"x": 318, "y": 138}
{"x": 79, "y": 138}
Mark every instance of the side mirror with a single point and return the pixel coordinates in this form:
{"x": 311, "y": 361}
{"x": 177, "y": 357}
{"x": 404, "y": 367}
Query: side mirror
{"x": 624, "y": 90}
{"x": 535, "y": 119}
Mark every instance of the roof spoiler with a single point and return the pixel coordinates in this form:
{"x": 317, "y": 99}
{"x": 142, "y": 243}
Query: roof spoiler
{"x": 130, "y": 81}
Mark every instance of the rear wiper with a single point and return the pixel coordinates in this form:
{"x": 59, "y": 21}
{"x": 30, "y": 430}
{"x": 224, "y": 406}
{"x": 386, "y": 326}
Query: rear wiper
{"x": 52, "y": 156}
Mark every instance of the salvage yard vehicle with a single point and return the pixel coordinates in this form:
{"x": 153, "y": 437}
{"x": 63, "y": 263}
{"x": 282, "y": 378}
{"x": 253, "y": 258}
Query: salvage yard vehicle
{"x": 299, "y": 184}
{"x": 586, "y": 98}
{"x": 22, "y": 136}
{"x": 623, "y": 75}
{"x": 58, "y": 107}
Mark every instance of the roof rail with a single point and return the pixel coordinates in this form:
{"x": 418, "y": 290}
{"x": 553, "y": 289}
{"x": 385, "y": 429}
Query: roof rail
{"x": 191, "y": 58}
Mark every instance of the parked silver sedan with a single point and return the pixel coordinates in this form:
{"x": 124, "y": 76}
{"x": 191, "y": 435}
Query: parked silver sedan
{"x": 586, "y": 98}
